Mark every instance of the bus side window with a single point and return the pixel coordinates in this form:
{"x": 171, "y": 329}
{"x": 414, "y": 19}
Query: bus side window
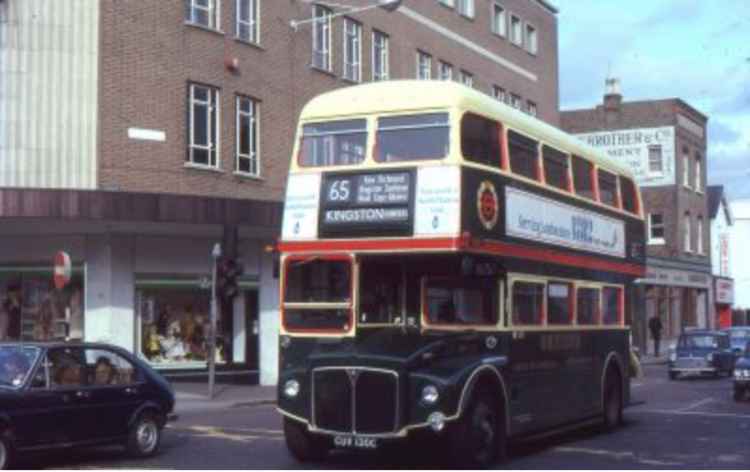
{"x": 629, "y": 197}
{"x": 582, "y": 177}
{"x": 587, "y": 302}
{"x": 555, "y": 167}
{"x": 528, "y": 303}
{"x": 523, "y": 154}
{"x": 480, "y": 140}
{"x": 608, "y": 188}
{"x": 611, "y": 306}
{"x": 559, "y": 303}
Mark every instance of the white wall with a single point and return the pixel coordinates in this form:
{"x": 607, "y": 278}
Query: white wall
{"x": 739, "y": 248}
{"x": 269, "y": 323}
{"x": 48, "y": 93}
{"x": 719, "y": 228}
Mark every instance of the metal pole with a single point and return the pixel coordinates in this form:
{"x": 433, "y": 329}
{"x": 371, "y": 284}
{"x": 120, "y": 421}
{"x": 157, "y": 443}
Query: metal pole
{"x": 216, "y": 253}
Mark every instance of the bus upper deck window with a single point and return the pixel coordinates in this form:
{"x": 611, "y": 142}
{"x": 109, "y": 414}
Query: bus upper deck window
{"x": 608, "y": 188}
{"x": 582, "y": 182}
{"x": 413, "y": 137}
{"x": 334, "y": 143}
{"x": 523, "y": 154}
{"x": 629, "y": 197}
{"x": 480, "y": 140}
{"x": 555, "y": 167}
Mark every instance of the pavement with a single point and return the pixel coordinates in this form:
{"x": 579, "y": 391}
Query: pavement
{"x": 193, "y": 396}
{"x": 654, "y": 360}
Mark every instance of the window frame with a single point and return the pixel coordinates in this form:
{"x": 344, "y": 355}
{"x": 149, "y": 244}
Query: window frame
{"x": 591, "y": 171}
{"x": 383, "y": 53}
{"x": 650, "y": 222}
{"x": 568, "y": 184}
{"x": 352, "y": 61}
{"x": 685, "y": 167}
{"x": 213, "y": 147}
{"x": 537, "y": 169}
{"x": 424, "y": 314}
{"x": 660, "y": 171}
{"x": 252, "y": 24}
{"x": 587, "y": 285}
{"x": 499, "y": 138}
{"x": 500, "y": 94}
{"x": 531, "y": 108}
{"x": 687, "y": 240}
{"x": 698, "y": 173}
{"x": 572, "y": 292}
{"x": 620, "y": 306}
{"x": 467, "y": 78}
{"x": 531, "y": 38}
{"x": 421, "y": 55}
{"x": 466, "y": 8}
{"x": 513, "y": 21}
{"x": 444, "y": 66}
{"x": 254, "y": 117}
{"x": 496, "y": 21}
{"x": 322, "y": 18}
{"x": 699, "y": 236}
{"x": 528, "y": 279}
{"x": 213, "y": 14}
{"x": 601, "y": 172}
{"x": 516, "y": 101}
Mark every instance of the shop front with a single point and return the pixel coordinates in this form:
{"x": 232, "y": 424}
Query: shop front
{"x": 724, "y": 299}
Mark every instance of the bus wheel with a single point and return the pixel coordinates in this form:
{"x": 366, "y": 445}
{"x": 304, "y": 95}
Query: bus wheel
{"x": 477, "y": 440}
{"x": 612, "y": 401}
{"x": 304, "y": 446}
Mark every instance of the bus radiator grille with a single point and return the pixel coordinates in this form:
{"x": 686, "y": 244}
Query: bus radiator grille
{"x": 332, "y": 400}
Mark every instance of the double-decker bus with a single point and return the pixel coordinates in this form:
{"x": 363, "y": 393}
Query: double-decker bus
{"x": 451, "y": 269}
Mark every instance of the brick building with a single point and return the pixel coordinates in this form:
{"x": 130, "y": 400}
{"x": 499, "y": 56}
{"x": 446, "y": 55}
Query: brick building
{"x": 664, "y": 143}
{"x": 135, "y": 134}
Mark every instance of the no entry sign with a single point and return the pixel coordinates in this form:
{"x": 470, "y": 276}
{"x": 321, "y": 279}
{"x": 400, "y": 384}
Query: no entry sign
{"x": 62, "y": 269}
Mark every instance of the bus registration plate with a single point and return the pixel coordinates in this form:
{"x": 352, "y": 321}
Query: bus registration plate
{"x": 355, "y": 442}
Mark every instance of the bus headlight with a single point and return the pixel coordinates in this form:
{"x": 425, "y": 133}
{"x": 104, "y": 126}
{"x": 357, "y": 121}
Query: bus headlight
{"x": 291, "y": 388}
{"x": 430, "y": 395}
{"x": 436, "y": 421}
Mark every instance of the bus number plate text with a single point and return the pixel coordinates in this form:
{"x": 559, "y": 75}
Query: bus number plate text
{"x": 356, "y": 442}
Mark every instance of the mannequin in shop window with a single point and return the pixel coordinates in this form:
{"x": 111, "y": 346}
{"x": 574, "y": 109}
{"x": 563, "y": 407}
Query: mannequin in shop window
{"x": 10, "y": 313}
{"x": 75, "y": 315}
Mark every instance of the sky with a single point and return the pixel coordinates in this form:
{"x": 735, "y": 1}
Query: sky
{"x": 695, "y": 50}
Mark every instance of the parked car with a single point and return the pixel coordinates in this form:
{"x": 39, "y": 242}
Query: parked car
{"x": 701, "y": 352}
{"x": 738, "y": 338}
{"x": 58, "y": 395}
{"x": 742, "y": 374}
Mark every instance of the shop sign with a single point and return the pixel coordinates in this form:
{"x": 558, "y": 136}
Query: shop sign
{"x": 678, "y": 278}
{"x": 62, "y": 269}
{"x": 536, "y": 218}
{"x": 632, "y": 147}
{"x": 724, "y": 291}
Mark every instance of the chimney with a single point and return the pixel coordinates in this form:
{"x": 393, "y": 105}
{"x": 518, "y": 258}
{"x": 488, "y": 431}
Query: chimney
{"x": 612, "y": 95}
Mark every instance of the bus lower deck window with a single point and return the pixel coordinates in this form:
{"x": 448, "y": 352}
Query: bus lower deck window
{"x": 559, "y": 303}
{"x": 413, "y": 137}
{"x": 523, "y": 153}
{"x": 334, "y": 143}
{"x": 461, "y": 301}
{"x": 611, "y": 305}
{"x": 587, "y": 303}
{"x": 528, "y": 303}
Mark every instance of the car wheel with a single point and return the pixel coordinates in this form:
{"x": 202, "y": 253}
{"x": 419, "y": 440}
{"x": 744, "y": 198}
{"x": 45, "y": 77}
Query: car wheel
{"x": 477, "y": 439}
{"x": 144, "y": 436}
{"x": 6, "y": 452}
{"x": 612, "y": 412}
{"x": 304, "y": 446}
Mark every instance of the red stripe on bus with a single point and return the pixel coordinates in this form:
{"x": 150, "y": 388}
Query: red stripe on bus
{"x": 370, "y": 245}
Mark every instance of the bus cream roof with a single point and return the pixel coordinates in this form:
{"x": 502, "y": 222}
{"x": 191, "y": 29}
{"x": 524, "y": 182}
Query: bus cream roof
{"x": 412, "y": 95}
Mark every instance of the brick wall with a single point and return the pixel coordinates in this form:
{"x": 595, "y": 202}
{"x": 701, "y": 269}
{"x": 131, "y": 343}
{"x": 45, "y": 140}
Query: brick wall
{"x": 148, "y": 54}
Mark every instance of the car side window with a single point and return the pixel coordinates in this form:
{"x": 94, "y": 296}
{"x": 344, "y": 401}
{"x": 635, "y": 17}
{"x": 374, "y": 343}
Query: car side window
{"x": 105, "y": 367}
{"x": 40, "y": 381}
{"x": 66, "y": 367}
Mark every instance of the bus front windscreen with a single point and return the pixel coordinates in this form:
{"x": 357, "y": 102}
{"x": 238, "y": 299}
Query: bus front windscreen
{"x": 413, "y": 137}
{"x": 317, "y": 295}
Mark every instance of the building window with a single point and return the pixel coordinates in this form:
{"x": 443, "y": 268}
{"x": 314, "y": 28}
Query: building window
{"x": 686, "y": 232}
{"x": 699, "y": 236}
{"x": 685, "y": 167}
{"x": 247, "y": 137}
{"x": 380, "y": 69}
{"x": 352, "y": 50}
{"x": 247, "y": 20}
{"x": 655, "y": 161}
{"x": 466, "y": 8}
{"x": 321, "y": 32}
{"x": 516, "y": 30}
{"x": 499, "y": 93}
{"x": 203, "y": 127}
{"x": 515, "y": 101}
{"x": 531, "y": 107}
{"x": 531, "y": 39}
{"x": 499, "y": 20}
{"x": 446, "y": 71}
{"x": 204, "y": 12}
{"x": 655, "y": 228}
{"x": 424, "y": 66}
{"x": 698, "y": 176}
{"x": 448, "y": 3}
{"x": 467, "y": 78}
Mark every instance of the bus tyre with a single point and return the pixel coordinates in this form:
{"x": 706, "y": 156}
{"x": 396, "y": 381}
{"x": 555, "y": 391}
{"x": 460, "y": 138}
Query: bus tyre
{"x": 612, "y": 414}
{"x": 6, "y": 451}
{"x": 303, "y": 445}
{"x": 477, "y": 439}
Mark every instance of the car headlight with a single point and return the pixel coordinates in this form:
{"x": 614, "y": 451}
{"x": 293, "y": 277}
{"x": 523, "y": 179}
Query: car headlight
{"x": 291, "y": 388}
{"x": 710, "y": 357}
{"x": 430, "y": 395}
{"x": 739, "y": 373}
{"x": 672, "y": 356}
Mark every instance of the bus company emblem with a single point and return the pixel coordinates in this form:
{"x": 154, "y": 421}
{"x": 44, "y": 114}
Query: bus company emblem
{"x": 491, "y": 342}
{"x": 487, "y": 204}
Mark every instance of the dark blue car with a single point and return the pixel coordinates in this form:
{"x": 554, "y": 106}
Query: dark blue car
{"x": 742, "y": 374}
{"x": 739, "y": 336}
{"x": 61, "y": 395}
{"x": 701, "y": 352}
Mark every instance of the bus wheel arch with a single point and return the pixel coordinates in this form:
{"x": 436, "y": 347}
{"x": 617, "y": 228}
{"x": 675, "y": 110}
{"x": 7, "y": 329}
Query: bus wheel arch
{"x": 612, "y": 391}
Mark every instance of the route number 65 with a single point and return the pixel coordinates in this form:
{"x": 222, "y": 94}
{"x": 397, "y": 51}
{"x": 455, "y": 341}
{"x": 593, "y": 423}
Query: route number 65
{"x": 339, "y": 191}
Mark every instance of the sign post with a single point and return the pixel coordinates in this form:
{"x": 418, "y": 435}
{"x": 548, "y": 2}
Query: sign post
{"x": 62, "y": 269}
{"x": 216, "y": 254}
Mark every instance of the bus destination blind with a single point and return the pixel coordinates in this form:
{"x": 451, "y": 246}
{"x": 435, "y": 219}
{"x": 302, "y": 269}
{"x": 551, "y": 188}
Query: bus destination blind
{"x": 372, "y": 203}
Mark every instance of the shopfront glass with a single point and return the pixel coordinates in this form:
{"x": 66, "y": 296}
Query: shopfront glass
{"x": 32, "y": 309}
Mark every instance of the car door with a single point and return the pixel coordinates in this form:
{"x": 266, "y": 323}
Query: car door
{"x": 117, "y": 390}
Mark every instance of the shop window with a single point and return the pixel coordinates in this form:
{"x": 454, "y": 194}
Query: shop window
{"x": 461, "y": 301}
{"x": 480, "y": 140}
{"x": 611, "y": 309}
{"x": 582, "y": 180}
{"x": 528, "y": 303}
{"x": 523, "y": 155}
{"x": 555, "y": 167}
{"x": 587, "y": 306}
{"x": 607, "y": 188}
{"x": 559, "y": 303}
{"x": 629, "y": 195}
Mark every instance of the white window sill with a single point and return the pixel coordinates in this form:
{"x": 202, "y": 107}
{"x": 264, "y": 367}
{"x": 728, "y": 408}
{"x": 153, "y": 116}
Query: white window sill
{"x": 248, "y": 176}
{"x": 699, "y": 192}
{"x": 656, "y": 242}
{"x": 255, "y": 44}
{"x": 190, "y": 165}
{"x": 204, "y": 27}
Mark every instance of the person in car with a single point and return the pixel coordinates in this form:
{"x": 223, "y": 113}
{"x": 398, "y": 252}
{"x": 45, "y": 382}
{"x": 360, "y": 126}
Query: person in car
{"x": 104, "y": 372}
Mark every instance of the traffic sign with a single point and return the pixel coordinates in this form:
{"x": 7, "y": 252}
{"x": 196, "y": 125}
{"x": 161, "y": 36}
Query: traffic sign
{"x": 62, "y": 269}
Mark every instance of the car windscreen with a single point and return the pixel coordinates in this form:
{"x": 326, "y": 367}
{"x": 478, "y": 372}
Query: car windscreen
{"x": 700, "y": 342}
{"x": 739, "y": 337}
{"x": 413, "y": 137}
{"x": 334, "y": 143}
{"x": 16, "y": 363}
